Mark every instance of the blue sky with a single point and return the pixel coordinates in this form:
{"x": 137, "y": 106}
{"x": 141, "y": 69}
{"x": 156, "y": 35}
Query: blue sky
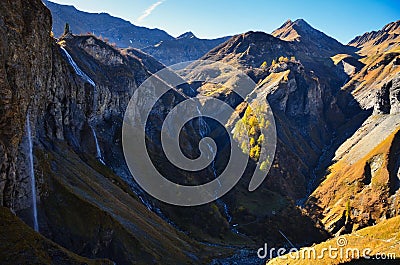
{"x": 341, "y": 19}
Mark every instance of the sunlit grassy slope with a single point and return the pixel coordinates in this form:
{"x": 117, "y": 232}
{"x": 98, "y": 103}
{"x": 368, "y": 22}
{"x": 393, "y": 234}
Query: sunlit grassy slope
{"x": 382, "y": 239}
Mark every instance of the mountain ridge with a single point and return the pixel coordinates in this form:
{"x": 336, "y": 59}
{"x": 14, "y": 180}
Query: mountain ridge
{"x": 386, "y": 38}
{"x": 124, "y": 34}
{"x": 186, "y": 47}
{"x": 117, "y": 30}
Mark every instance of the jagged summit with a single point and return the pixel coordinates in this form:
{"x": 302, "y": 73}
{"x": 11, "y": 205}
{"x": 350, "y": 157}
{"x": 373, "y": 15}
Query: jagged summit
{"x": 294, "y": 38}
{"x": 387, "y": 37}
{"x": 187, "y": 35}
{"x": 393, "y": 27}
{"x": 312, "y": 39}
{"x": 300, "y": 23}
{"x": 294, "y": 30}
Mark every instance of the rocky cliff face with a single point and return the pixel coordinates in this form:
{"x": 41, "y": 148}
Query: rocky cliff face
{"x": 365, "y": 172}
{"x": 26, "y": 41}
{"x": 388, "y": 98}
{"x": 299, "y": 102}
{"x": 379, "y": 65}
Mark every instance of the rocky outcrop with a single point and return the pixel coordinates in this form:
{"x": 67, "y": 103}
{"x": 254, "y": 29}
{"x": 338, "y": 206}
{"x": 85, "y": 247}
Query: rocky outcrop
{"x": 388, "y": 98}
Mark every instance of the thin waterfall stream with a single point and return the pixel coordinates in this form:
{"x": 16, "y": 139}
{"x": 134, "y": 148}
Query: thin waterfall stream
{"x": 99, "y": 155}
{"x": 82, "y": 74}
{"x": 32, "y": 173}
{"x": 203, "y": 130}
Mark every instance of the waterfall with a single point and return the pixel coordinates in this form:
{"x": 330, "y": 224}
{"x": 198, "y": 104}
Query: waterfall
{"x": 203, "y": 130}
{"x": 99, "y": 155}
{"x": 32, "y": 173}
{"x": 98, "y": 150}
{"x": 77, "y": 69}
{"x": 82, "y": 74}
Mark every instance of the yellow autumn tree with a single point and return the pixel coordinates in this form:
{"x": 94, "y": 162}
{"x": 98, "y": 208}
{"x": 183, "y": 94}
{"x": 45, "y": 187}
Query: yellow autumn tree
{"x": 264, "y": 64}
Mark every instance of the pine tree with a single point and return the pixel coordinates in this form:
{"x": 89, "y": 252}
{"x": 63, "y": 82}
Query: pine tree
{"x": 66, "y": 29}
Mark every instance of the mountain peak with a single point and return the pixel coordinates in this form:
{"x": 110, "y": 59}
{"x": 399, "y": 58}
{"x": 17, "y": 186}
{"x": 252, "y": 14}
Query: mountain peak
{"x": 300, "y": 20}
{"x": 187, "y": 35}
{"x": 311, "y": 38}
{"x": 293, "y": 30}
{"x": 302, "y": 23}
{"x": 393, "y": 27}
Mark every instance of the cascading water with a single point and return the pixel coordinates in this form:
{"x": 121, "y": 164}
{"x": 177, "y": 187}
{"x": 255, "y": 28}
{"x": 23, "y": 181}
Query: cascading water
{"x": 32, "y": 173}
{"x": 203, "y": 130}
{"x": 82, "y": 74}
{"x": 99, "y": 155}
{"x": 98, "y": 150}
{"x": 77, "y": 69}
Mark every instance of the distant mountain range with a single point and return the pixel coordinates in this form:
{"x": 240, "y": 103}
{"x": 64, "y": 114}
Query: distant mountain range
{"x": 162, "y": 46}
{"x": 186, "y": 47}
